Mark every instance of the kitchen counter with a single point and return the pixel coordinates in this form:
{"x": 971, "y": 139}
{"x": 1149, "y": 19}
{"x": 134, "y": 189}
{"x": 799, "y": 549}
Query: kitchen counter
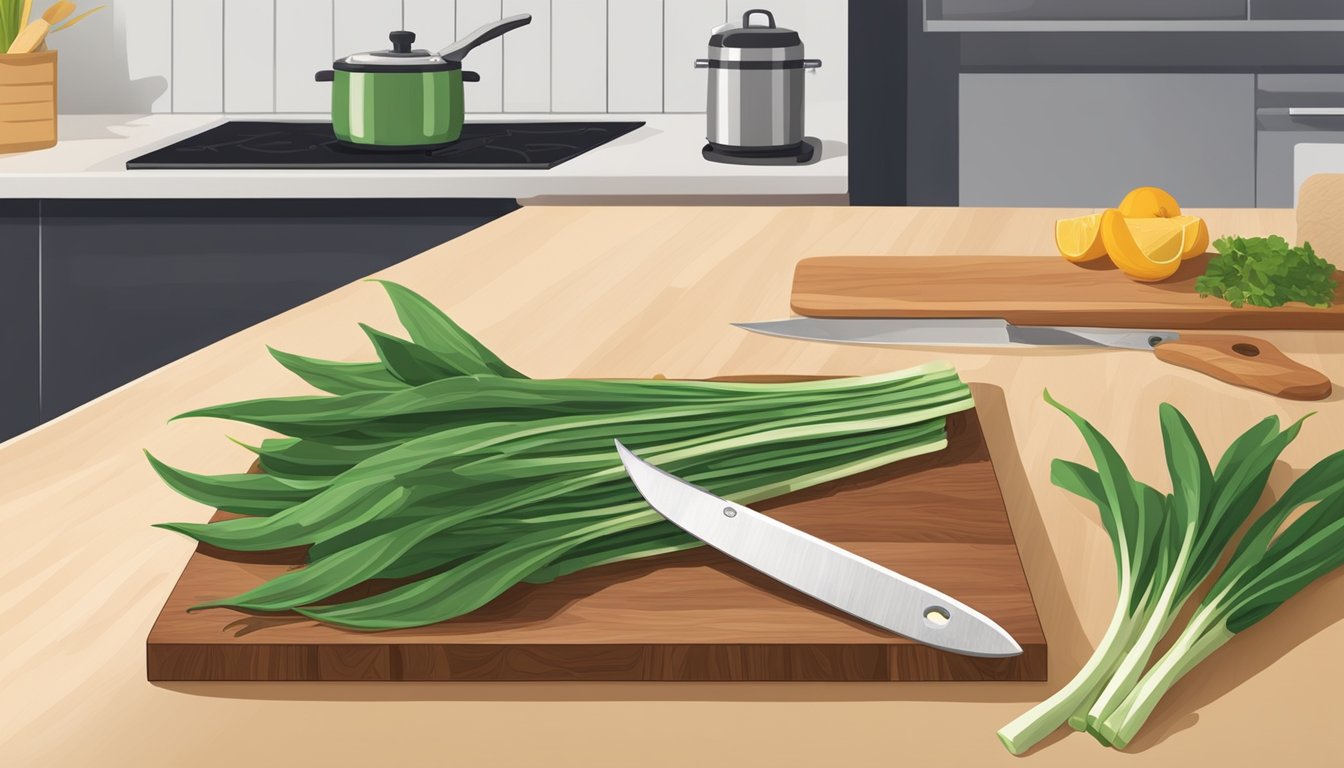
{"x": 626, "y": 292}
{"x": 662, "y": 158}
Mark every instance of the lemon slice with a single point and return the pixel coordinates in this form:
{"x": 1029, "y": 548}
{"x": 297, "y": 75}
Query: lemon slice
{"x": 1080, "y": 239}
{"x": 1147, "y": 252}
{"x": 1195, "y": 232}
{"x": 1196, "y": 236}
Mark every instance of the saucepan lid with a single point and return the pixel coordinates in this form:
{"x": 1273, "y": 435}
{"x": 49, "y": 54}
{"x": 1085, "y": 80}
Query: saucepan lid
{"x": 401, "y": 57}
{"x": 767, "y": 35}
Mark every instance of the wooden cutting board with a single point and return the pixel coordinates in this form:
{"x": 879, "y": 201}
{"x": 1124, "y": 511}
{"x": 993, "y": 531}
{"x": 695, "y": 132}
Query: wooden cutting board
{"x": 694, "y": 615}
{"x": 1032, "y": 290}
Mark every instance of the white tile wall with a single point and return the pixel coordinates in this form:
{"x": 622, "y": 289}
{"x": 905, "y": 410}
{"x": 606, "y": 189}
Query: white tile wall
{"x": 576, "y": 56}
{"x": 487, "y": 60}
{"x": 635, "y": 55}
{"x": 579, "y": 50}
{"x": 686, "y": 26}
{"x": 527, "y": 59}
{"x": 303, "y": 44}
{"x": 249, "y": 55}
{"x": 198, "y": 55}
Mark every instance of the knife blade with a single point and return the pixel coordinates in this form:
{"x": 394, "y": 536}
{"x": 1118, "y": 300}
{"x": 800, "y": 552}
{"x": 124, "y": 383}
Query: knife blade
{"x": 1240, "y": 360}
{"x": 835, "y": 576}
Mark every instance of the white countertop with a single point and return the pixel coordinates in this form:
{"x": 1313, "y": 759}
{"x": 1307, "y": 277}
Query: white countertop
{"x": 661, "y": 158}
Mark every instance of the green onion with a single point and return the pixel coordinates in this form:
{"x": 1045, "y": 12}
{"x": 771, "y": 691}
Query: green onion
{"x": 1179, "y": 539}
{"x": 1264, "y": 572}
{"x": 442, "y": 466}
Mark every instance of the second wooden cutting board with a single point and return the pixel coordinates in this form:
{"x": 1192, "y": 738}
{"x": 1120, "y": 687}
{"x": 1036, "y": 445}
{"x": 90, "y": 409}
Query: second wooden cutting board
{"x": 1031, "y": 290}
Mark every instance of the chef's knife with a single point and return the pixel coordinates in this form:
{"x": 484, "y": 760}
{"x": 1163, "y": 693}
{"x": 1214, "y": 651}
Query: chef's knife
{"x": 818, "y": 568}
{"x": 1240, "y": 360}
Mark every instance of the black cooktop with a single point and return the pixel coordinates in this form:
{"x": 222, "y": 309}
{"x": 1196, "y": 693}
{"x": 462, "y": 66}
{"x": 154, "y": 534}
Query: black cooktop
{"x": 263, "y": 144}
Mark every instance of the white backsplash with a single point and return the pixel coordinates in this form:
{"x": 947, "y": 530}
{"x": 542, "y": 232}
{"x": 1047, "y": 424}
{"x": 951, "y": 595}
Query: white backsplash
{"x": 260, "y": 55}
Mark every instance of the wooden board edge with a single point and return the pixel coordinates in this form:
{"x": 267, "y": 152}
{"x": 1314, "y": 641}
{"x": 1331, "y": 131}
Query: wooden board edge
{"x": 1222, "y": 317}
{"x": 877, "y": 662}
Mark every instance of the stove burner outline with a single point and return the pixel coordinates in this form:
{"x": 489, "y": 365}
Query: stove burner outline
{"x": 308, "y": 145}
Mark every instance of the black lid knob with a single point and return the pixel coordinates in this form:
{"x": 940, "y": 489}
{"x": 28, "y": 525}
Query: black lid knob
{"x": 401, "y": 41}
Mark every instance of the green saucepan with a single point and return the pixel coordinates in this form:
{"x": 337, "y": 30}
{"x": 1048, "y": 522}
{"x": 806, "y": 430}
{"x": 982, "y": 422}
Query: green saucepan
{"x": 405, "y": 98}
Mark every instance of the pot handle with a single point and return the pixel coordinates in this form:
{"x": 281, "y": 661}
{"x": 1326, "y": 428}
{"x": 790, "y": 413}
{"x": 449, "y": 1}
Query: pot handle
{"x": 470, "y": 77}
{"x": 746, "y": 17}
{"x": 484, "y": 34}
{"x": 324, "y": 76}
{"x": 702, "y": 63}
{"x": 811, "y": 63}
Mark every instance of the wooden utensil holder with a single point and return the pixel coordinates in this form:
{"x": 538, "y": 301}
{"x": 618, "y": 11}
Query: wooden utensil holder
{"x": 27, "y": 101}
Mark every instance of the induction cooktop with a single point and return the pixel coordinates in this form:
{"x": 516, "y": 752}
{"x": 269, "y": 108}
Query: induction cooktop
{"x": 300, "y": 145}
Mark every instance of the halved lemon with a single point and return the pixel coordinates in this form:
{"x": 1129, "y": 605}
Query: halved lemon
{"x": 1148, "y": 252}
{"x": 1080, "y": 239}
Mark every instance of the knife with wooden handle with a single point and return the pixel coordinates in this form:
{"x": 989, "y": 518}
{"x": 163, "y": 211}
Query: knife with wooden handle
{"x": 1240, "y": 360}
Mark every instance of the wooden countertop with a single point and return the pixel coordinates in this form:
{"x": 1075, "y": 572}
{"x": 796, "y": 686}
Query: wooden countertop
{"x": 634, "y": 292}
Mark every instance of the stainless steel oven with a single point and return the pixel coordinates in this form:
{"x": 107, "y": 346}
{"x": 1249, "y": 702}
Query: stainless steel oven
{"x": 1291, "y": 110}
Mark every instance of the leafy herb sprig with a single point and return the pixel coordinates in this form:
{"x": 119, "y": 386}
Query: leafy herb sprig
{"x": 1267, "y": 272}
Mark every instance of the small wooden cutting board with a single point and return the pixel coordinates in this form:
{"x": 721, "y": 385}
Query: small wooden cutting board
{"x": 694, "y": 615}
{"x": 1032, "y": 290}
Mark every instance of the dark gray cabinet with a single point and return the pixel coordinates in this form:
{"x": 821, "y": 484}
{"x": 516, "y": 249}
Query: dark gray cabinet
{"x": 127, "y": 286}
{"x": 1084, "y": 139}
{"x": 20, "y": 360}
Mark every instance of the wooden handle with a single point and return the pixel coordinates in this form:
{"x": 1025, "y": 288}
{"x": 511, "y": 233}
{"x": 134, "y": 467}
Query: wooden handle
{"x": 1246, "y": 362}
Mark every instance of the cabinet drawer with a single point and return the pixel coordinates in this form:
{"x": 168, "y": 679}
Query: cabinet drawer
{"x": 1296, "y": 9}
{"x": 1086, "y": 139}
{"x": 1086, "y": 9}
{"x": 1299, "y": 90}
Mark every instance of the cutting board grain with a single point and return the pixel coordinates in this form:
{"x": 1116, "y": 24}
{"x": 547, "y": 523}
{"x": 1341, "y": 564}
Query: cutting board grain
{"x": 694, "y": 615}
{"x": 1032, "y": 290}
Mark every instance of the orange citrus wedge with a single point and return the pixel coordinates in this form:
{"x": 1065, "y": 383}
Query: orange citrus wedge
{"x": 1196, "y": 232}
{"x": 1196, "y": 242}
{"x": 1147, "y": 253}
{"x": 1080, "y": 239}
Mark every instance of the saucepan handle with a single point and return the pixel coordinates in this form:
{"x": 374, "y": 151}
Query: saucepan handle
{"x": 470, "y": 77}
{"x": 324, "y": 76}
{"x": 484, "y": 34}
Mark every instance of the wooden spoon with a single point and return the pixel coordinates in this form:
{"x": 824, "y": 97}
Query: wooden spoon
{"x": 33, "y": 35}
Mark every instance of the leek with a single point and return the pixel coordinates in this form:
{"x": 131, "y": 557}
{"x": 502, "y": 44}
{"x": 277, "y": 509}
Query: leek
{"x": 440, "y": 465}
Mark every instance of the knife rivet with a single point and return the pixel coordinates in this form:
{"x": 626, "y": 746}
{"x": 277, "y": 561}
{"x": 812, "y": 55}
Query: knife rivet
{"x": 729, "y": 512}
{"x": 1153, "y": 341}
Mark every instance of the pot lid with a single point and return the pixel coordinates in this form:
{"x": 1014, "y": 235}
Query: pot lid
{"x": 401, "y": 57}
{"x": 747, "y": 35}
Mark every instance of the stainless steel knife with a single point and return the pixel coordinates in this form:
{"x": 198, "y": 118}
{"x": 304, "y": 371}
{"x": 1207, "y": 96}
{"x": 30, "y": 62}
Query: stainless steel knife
{"x": 835, "y": 576}
{"x": 1241, "y": 360}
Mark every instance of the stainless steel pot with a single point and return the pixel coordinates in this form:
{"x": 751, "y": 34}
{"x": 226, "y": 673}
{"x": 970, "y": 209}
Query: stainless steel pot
{"x": 755, "y": 103}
